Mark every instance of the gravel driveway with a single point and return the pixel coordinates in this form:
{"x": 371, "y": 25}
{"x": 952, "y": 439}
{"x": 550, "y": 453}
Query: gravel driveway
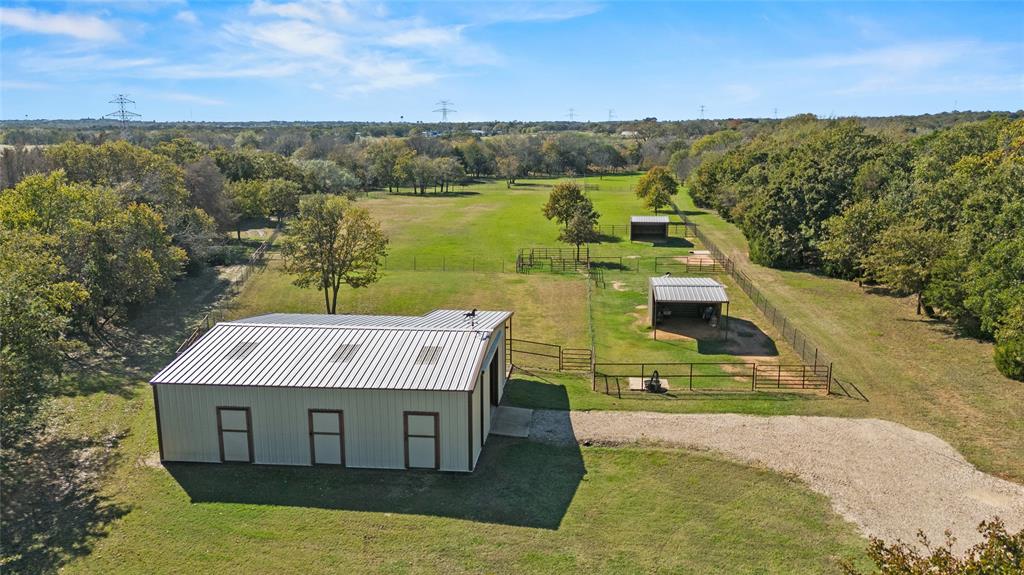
{"x": 886, "y": 478}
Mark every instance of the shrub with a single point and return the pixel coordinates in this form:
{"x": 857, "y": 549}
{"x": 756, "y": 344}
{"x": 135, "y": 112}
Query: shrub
{"x": 999, "y": 553}
{"x": 1009, "y": 356}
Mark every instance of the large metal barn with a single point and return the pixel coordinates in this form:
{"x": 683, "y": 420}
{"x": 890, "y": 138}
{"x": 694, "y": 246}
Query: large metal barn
{"x": 389, "y": 392}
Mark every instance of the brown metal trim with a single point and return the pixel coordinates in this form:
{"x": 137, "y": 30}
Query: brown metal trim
{"x": 469, "y": 431}
{"x": 159, "y": 434}
{"x": 248, "y": 430}
{"x": 493, "y": 375}
{"x": 341, "y": 433}
{"x": 437, "y": 435}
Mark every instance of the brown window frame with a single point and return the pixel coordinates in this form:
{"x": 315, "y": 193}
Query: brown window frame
{"x": 248, "y": 431}
{"x": 436, "y": 437}
{"x": 341, "y": 435}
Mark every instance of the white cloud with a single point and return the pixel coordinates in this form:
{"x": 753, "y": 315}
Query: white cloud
{"x": 920, "y": 56}
{"x": 312, "y": 11}
{"x": 192, "y": 99}
{"x": 292, "y": 36}
{"x": 536, "y": 11}
{"x": 187, "y": 17}
{"x": 432, "y": 37}
{"x": 76, "y": 26}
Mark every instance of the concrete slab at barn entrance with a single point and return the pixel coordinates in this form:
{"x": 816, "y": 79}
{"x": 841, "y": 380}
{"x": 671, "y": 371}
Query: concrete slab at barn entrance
{"x": 511, "y": 421}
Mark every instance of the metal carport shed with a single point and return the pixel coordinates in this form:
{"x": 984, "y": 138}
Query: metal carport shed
{"x": 685, "y": 297}
{"x": 648, "y": 228}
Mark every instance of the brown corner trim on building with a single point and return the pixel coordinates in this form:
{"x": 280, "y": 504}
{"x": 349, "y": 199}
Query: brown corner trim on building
{"x": 437, "y": 435}
{"x": 248, "y": 426}
{"x": 469, "y": 419}
{"x": 483, "y": 388}
{"x": 341, "y": 434}
{"x": 159, "y": 433}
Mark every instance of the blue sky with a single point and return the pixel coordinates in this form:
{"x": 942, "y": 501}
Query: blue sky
{"x": 264, "y": 60}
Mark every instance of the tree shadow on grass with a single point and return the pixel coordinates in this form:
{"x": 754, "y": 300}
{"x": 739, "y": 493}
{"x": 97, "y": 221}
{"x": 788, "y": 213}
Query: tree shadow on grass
{"x": 459, "y": 194}
{"x": 147, "y": 342}
{"x": 516, "y": 482}
{"x": 52, "y": 508}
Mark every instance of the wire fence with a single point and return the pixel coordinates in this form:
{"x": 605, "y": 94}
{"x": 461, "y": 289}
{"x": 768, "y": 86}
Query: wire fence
{"x": 810, "y": 352}
{"x": 448, "y": 263}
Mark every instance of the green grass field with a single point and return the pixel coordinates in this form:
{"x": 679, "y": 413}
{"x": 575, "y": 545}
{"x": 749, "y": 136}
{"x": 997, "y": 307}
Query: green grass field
{"x": 530, "y": 508}
{"x": 914, "y": 370}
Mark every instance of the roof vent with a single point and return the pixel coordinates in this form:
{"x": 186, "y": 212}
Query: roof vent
{"x": 241, "y": 350}
{"x": 344, "y": 352}
{"x": 429, "y": 354}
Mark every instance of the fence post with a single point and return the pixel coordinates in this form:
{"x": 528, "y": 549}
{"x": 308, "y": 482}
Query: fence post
{"x": 753, "y": 377}
{"x": 803, "y": 377}
{"x": 778, "y": 380}
{"x": 442, "y": 264}
{"x": 691, "y": 377}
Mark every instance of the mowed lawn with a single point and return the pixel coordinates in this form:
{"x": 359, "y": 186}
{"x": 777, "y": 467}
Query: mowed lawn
{"x": 530, "y": 508}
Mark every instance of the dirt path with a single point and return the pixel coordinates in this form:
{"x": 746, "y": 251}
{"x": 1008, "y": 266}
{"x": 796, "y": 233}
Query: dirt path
{"x": 886, "y": 478}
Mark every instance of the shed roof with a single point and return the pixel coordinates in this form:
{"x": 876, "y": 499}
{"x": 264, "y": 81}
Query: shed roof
{"x": 687, "y": 290}
{"x": 436, "y": 352}
{"x": 648, "y": 219}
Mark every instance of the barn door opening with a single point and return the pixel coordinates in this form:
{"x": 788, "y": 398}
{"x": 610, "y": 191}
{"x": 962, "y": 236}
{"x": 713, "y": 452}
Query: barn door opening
{"x": 422, "y": 440}
{"x": 234, "y": 428}
{"x": 326, "y": 437}
{"x": 494, "y": 379}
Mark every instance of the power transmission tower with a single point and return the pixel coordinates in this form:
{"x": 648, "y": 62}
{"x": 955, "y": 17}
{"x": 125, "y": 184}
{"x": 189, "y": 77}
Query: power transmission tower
{"x": 445, "y": 108}
{"x": 572, "y": 114}
{"x": 611, "y": 114}
{"x": 123, "y": 114}
{"x": 776, "y": 112}
{"x": 702, "y": 111}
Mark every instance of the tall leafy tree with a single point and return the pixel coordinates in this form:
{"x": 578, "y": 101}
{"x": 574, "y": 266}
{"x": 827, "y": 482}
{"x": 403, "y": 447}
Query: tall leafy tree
{"x": 565, "y": 196}
{"x": 904, "y": 256}
{"x": 581, "y": 227}
{"x": 333, "y": 243}
{"x": 656, "y": 188}
{"x": 280, "y": 198}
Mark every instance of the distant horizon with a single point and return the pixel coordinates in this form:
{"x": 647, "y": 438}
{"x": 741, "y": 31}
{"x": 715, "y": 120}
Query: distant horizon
{"x": 536, "y": 121}
{"x": 305, "y": 60}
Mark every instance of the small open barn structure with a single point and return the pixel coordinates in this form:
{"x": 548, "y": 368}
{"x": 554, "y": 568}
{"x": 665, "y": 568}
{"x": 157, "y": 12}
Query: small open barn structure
{"x": 648, "y": 228}
{"x": 686, "y": 297}
{"x": 386, "y": 392}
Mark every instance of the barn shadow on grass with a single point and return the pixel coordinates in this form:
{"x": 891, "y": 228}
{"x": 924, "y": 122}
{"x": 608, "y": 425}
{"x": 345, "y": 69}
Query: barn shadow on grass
{"x": 738, "y": 337}
{"x": 517, "y": 482}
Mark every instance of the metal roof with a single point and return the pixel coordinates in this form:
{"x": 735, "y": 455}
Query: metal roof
{"x": 648, "y": 219}
{"x": 326, "y": 352}
{"x": 437, "y": 319}
{"x": 688, "y": 290}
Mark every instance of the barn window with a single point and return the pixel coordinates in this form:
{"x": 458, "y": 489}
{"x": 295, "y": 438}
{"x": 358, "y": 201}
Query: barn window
{"x": 428, "y": 354}
{"x": 241, "y": 350}
{"x": 344, "y": 352}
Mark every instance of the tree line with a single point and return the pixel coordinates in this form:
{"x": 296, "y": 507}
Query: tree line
{"x": 939, "y": 216}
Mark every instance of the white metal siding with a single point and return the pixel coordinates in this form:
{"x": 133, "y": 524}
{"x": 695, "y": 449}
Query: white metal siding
{"x": 374, "y": 433}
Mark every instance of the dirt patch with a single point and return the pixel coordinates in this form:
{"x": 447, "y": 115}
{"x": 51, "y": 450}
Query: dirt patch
{"x": 887, "y": 479}
{"x": 151, "y": 460}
